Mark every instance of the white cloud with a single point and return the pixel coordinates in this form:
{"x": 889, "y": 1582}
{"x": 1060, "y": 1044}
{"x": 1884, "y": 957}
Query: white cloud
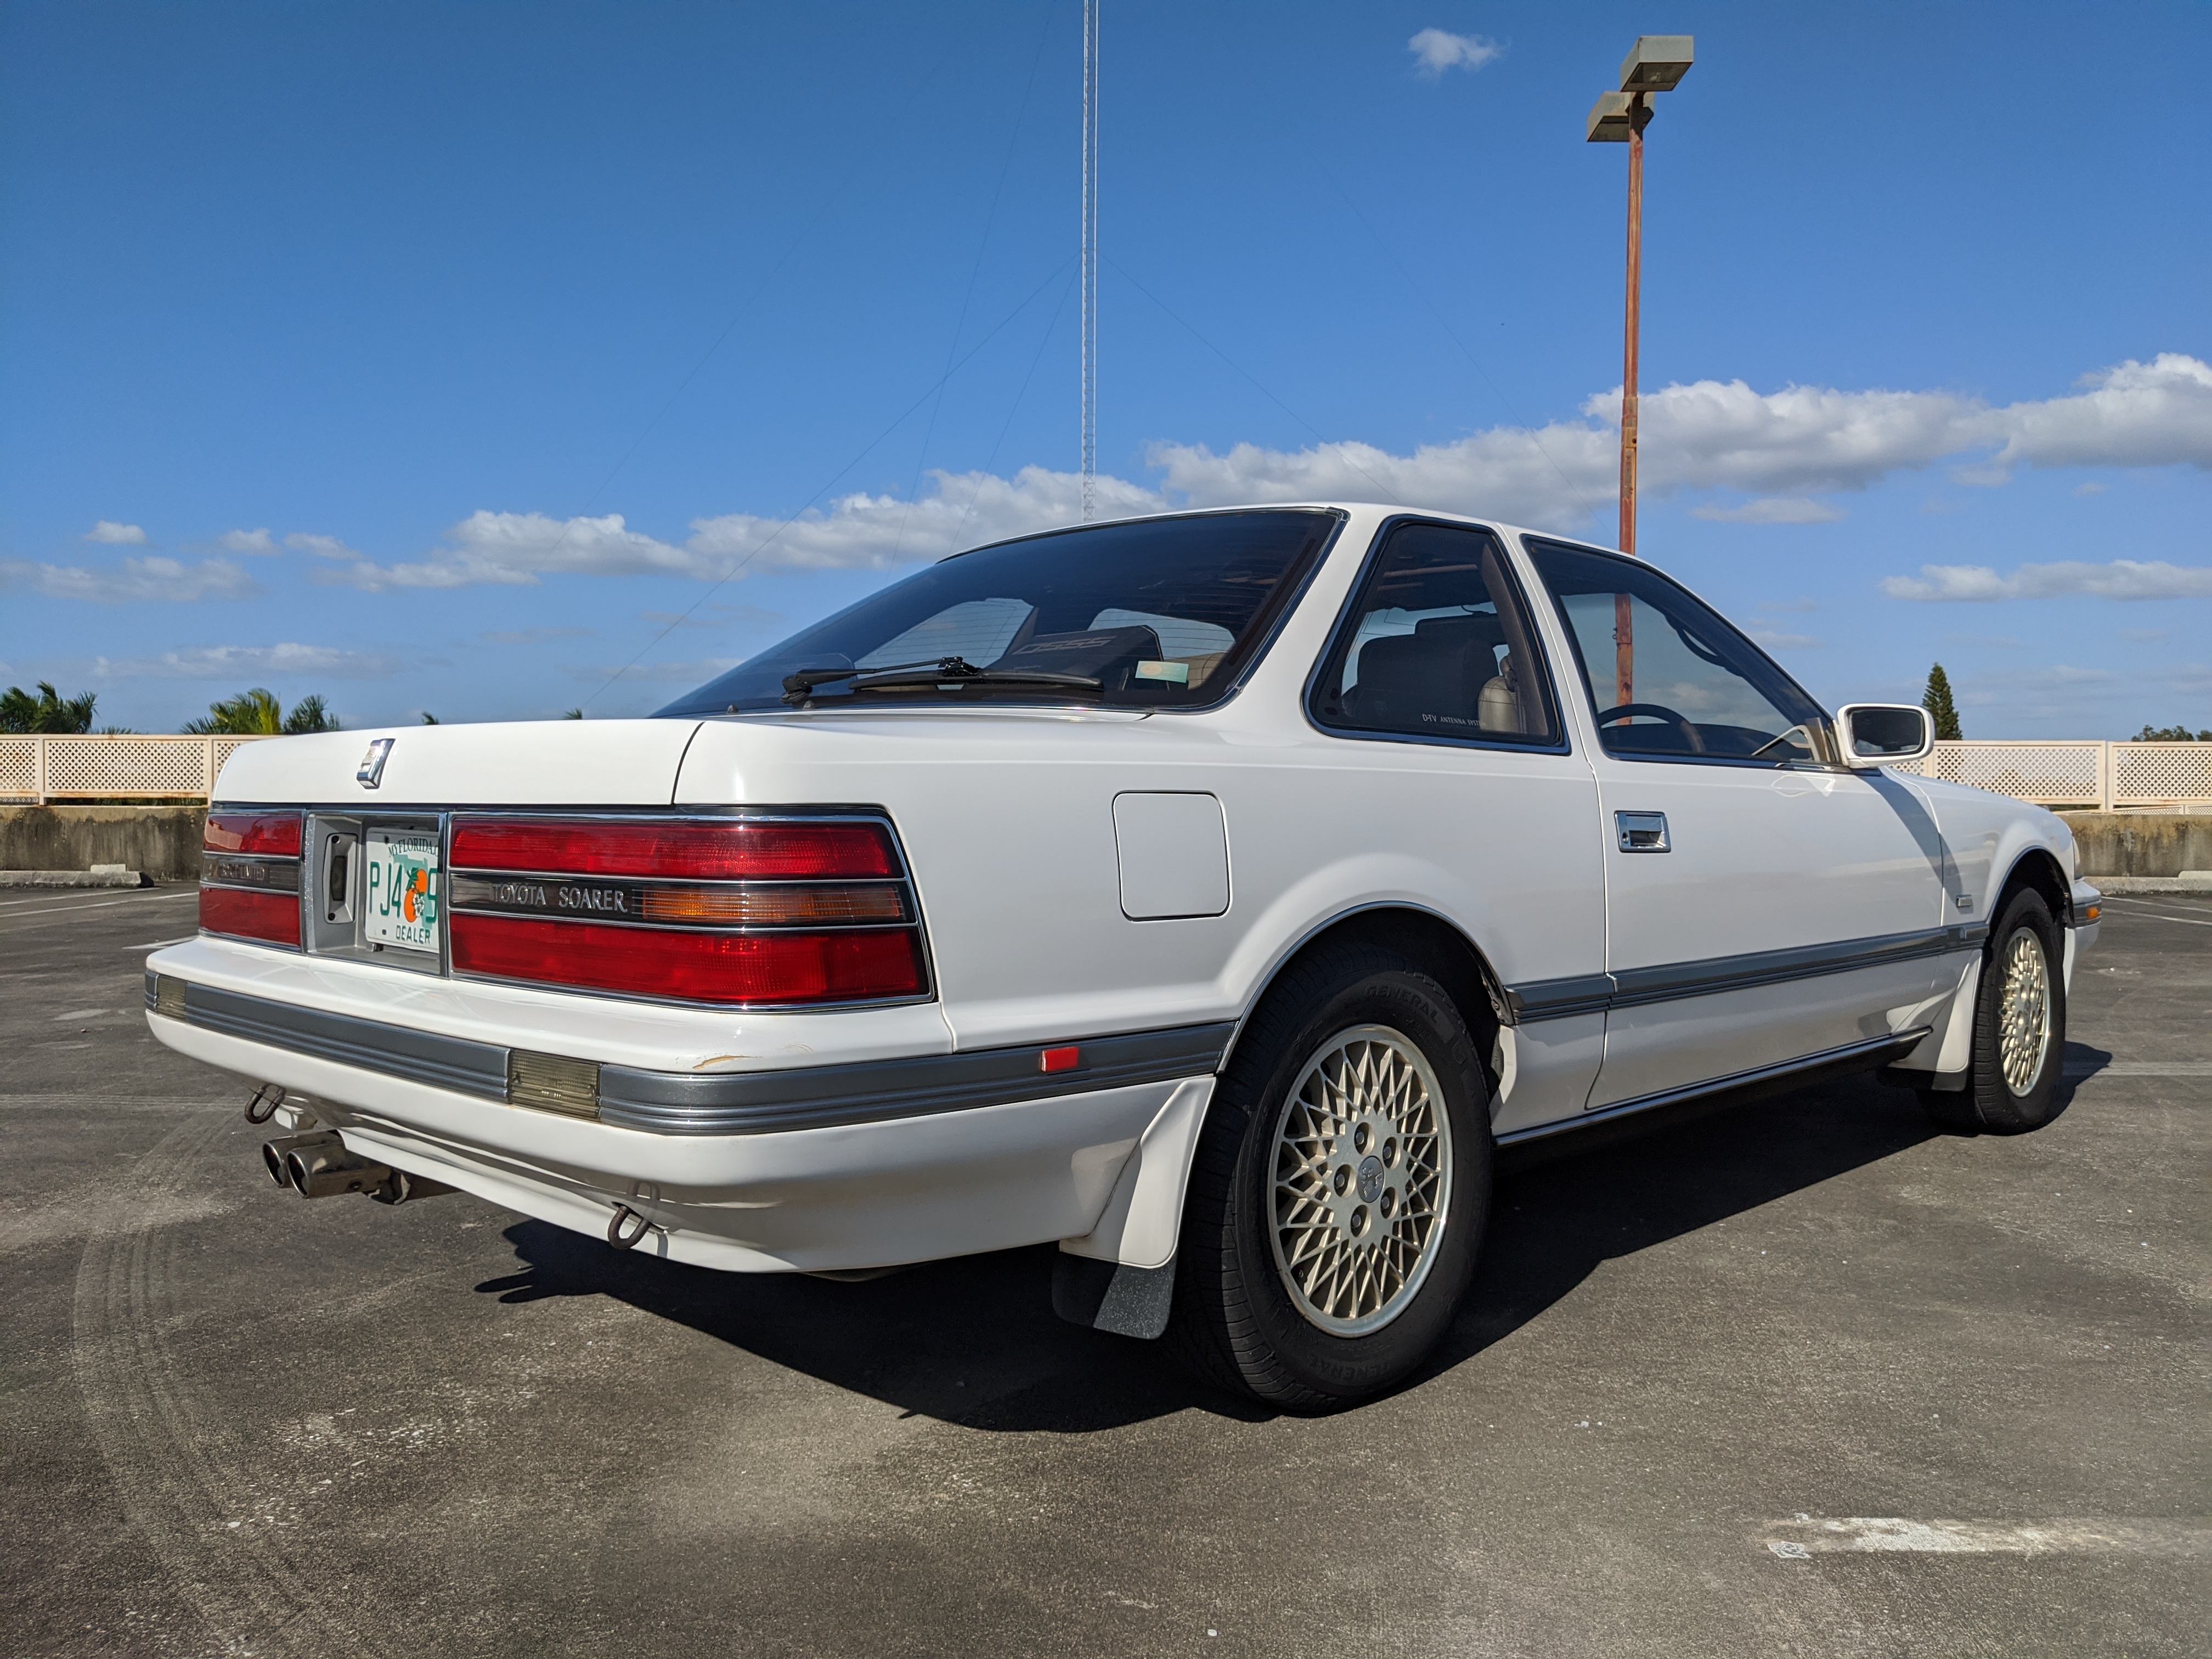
{"x": 1782, "y": 448}
{"x": 514, "y": 549}
{"x": 2122, "y": 579}
{"x": 679, "y": 674}
{"x": 1436, "y": 51}
{"x": 1774, "y": 640}
{"x": 109, "y": 533}
{"x": 879, "y": 532}
{"x": 156, "y": 578}
{"x": 1771, "y": 509}
{"x": 251, "y": 662}
{"x": 857, "y": 532}
{"x": 2153, "y": 414}
{"x": 2093, "y": 488}
{"x": 323, "y": 547}
{"x": 1714, "y": 434}
{"x": 258, "y": 541}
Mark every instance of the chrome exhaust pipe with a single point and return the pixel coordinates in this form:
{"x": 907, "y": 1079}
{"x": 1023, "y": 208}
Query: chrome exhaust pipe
{"x": 274, "y": 1152}
{"x": 317, "y": 1165}
{"x": 325, "y": 1168}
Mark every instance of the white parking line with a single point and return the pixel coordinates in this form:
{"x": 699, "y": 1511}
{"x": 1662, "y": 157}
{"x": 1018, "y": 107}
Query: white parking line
{"x": 2141, "y": 1068}
{"x": 1859, "y": 1534}
{"x": 155, "y": 945}
{"x": 2159, "y": 916}
{"x": 102, "y": 904}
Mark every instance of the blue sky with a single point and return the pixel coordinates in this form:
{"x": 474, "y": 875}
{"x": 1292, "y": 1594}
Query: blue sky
{"x": 447, "y": 357}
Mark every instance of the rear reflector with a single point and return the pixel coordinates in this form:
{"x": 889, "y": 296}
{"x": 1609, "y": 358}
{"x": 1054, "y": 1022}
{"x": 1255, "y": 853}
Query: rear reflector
{"x": 271, "y": 918}
{"x": 738, "y": 850}
{"x": 853, "y": 965}
{"x": 1059, "y": 1059}
{"x": 270, "y": 834}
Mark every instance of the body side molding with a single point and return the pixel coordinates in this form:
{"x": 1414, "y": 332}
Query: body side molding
{"x": 1854, "y": 1056}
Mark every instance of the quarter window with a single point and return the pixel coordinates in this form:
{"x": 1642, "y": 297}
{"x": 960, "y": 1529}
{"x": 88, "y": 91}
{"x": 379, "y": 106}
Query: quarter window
{"x": 1436, "y": 645}
{"x": 1666, "y": 676}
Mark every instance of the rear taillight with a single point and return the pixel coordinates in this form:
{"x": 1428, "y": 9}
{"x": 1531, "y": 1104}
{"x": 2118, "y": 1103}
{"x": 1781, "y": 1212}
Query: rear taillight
{"x": 271, "y": 835}
{"x": 738, "y": 851}
{"x": 250, "y": 876}
{"x": 734, "y": 913}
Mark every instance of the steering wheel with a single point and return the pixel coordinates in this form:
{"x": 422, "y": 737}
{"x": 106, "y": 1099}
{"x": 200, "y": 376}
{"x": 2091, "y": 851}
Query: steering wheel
{"x": 1657, "y": 711}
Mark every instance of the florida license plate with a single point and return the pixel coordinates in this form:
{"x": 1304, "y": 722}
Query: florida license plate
{"x": 399, "y": 890}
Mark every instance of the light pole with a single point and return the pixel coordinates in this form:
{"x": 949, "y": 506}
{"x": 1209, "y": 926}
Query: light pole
{"x": 1656, "y": 64}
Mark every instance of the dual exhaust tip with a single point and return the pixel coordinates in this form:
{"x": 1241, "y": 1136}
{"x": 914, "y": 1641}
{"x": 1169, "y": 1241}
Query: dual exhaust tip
{"x": 319, "y": 1166}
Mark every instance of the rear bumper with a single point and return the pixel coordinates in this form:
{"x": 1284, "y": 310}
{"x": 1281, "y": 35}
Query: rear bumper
{"x": 814, "y": 1168}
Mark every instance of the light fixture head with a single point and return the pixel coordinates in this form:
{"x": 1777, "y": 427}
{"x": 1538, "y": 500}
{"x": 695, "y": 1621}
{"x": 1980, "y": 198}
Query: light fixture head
{"x": 1657, "y": 63}
{"x": 1610, "y": 118}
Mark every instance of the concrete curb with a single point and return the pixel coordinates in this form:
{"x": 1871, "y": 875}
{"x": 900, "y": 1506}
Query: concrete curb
{"x": 2118, "y": 884}
{"x": 72, "y": 878}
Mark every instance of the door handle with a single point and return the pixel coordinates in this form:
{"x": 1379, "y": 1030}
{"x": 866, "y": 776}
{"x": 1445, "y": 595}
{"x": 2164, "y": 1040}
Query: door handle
{"x": 1642, "y": 832}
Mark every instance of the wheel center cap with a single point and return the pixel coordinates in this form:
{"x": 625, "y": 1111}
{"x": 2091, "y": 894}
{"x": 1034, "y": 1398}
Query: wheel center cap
{"x": 1370, "y": 1179}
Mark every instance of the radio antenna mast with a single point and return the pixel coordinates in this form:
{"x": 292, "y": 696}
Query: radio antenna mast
{"x": 1090, "y": 272}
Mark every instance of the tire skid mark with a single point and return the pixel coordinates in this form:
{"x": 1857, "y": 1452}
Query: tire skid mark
{"x": 174, "y": 1484}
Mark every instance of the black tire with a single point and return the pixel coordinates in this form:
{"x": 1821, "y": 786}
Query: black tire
{"x": 1990, "y": 1101}
{"x": 1236, "y": 1321}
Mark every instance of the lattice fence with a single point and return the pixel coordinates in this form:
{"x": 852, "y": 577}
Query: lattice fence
{"x": 123, "y": 767}
{"x": 2087, "y": 774}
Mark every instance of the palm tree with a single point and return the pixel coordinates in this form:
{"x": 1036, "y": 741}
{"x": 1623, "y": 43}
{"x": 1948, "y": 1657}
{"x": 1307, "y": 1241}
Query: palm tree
{"x": 257, "y": 714}
{"x": 49, "y": 711}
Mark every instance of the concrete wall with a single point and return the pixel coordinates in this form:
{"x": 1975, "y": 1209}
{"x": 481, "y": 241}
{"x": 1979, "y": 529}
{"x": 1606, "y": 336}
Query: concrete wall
{"x": 163, "y": 841}
{"x": 2141, "y": 844}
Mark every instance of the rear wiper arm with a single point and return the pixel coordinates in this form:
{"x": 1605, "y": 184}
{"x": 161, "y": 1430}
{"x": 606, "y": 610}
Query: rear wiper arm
{"x": 954, "y": 672}
{"x": 796, "y": 686}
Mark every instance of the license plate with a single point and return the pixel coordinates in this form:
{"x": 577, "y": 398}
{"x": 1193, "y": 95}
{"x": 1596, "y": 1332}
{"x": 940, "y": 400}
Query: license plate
{"x": 399, "y": 890}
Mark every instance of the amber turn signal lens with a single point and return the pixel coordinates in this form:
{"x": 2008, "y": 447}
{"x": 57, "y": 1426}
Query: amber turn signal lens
{"x": 772, "y": 906}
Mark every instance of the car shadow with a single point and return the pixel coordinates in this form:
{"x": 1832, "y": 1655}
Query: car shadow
{"x": 974, "y": 1342}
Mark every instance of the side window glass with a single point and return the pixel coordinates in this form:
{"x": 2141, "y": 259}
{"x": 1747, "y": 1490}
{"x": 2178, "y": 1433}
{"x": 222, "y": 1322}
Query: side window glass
{"x": 1438, "y": 647}
{"x": 1665, "y": 675}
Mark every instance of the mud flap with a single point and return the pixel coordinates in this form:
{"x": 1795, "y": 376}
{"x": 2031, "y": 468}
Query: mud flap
{"x": 1108, "y": 1297}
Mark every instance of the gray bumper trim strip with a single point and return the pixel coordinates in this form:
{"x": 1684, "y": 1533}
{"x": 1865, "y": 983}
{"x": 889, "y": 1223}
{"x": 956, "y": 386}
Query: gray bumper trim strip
{"x": 1631, "y": 987}
{"x": 722, "y": 1103}
{"x": 443, "y": 1062}
{"x": 766, "y": 1103}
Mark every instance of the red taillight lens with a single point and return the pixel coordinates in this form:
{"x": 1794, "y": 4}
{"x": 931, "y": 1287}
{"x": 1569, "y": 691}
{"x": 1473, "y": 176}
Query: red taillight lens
{"x": 268, "y": 834}
{"x": 736, "y": 851}
{"x": 853, "y": 965}
{"x": 272, "y": 918}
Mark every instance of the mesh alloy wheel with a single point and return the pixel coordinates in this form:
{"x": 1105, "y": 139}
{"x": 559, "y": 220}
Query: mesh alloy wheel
{"x": 2023, "y": 1012}
{"x": 1362, "y": 1181}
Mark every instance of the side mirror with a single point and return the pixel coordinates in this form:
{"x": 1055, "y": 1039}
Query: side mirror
{"x": 1873, "y": 734}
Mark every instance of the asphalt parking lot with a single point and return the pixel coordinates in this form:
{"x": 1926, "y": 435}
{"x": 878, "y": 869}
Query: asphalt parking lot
{"x": 1700, "y": 1365}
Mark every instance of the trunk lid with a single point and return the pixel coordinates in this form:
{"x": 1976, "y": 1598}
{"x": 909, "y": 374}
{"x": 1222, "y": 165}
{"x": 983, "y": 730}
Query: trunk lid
{"x": 507, "y": 764}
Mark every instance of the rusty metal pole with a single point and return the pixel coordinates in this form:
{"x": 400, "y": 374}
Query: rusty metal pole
{"x": 1640, "y": 115}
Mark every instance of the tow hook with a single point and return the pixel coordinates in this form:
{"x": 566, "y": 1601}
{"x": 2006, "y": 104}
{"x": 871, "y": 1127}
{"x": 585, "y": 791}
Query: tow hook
{"x": 263, "y": 1107}
{"x": 624, "y": 1237}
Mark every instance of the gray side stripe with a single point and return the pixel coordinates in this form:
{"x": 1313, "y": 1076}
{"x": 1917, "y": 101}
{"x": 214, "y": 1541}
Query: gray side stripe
{"x": 1853, "y": 1057}
{"x": 762, "y": 1102}
{"x": 722, "y": 1104}
{"x": 1631, "y": 988}
{"x": 472, "y": 1068}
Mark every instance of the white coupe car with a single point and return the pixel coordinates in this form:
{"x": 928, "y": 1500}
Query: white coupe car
{"x": 1209, "y": 893}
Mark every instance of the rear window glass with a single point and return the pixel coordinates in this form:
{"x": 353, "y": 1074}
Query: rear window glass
{"x": 1157, "y": 613}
